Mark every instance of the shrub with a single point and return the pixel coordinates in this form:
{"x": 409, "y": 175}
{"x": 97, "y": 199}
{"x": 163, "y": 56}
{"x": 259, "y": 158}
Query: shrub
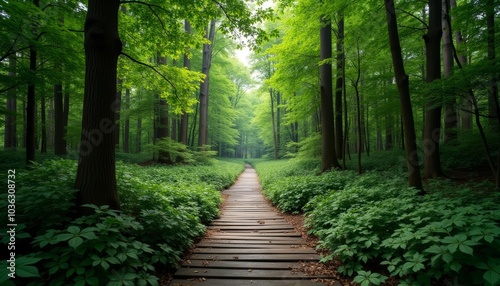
{"x": 163, "y": 209}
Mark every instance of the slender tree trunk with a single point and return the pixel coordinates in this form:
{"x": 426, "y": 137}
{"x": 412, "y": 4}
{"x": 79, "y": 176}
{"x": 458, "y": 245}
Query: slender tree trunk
{"x": 389, "y": 130}
{"x": 66, "y": 114}
{"x": 466, "y": 113}
{"x": 193, "y": 127}
{"x": 185, "y": 117}
{"x": 126, "y": 130}
{"x": 403, "y": 84}
{"x": 493, "y": 86}
{"x": 273, "y": 122}
{"x": 43, "y": 123}
{"x": 432, "y": 128}
{"x": 59, "y": 140}
{"x": 31, "y": 100}
{"x": 138, "y": 136}
{"x": 10, "y": 139}
{"x": 278, "y": 123}
{"x": 163, "y": 130}
{"x": 204, "y": 87}
{"x": 450, "y": 118}
{"x": 358, "y": 110}
{"x": 339, "y": 87}
{"x": 118, "y": 109}
{"x": 96, "y": 177}
{"x": 329, "y": 157}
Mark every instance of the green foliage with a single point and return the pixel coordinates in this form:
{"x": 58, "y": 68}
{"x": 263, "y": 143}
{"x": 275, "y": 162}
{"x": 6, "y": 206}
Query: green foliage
{"x": 442, "y": 235}
{"x": 164, "y": 208}
{"x": 99, "y": 249}
{"x": 292, "y": 193}
{"x": 379, "y": 227}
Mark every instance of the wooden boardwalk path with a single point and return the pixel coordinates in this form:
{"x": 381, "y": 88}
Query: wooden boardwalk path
{"x": 250, "y": 244}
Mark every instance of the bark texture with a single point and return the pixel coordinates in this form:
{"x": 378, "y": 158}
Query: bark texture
{"x": 432, "y": 126}
{"x": 403, "y": 84}
{"x": 328, "y": 157}
{"x": 96, "y": 178}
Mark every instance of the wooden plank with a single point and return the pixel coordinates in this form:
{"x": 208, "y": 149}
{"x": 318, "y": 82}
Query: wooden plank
{"x": 243, "y": 274}
{"x": 248, "y": 282}
{"x": 248, "y": 245}
{"x": 249, "y": 223}
{"x": 252, "y": 227}
{"x": 254, "y": 241}
{"x": 288, "y": 250}
{"x": 257, "y": 257}
{"x": 255, "y": 235}
{"x": 241, "y": 264}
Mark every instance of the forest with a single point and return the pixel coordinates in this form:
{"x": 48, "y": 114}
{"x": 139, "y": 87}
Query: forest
{"x": 378, "y": 122}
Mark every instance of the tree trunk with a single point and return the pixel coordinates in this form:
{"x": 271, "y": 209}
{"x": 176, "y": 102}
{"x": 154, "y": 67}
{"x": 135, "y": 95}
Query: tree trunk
{"x": 358, "y": 110}
{"x": 185, "y": 117}
{"x": 138, "y": 136}
{"x": 273, "y": 122}
{"x": 163, "y": 130}
{"x": 450, "y": 118}
{"x": 118, "y": 109}
{"x": 126, "y": 130}
{"x": 59, "y": 140}
{"x": 278, "y": 123}
{"x": 43, "y": 123}
{"x": 493, "y": 86}
{"x": 10, "y": 136}
{"x": 339, "y": 87}
{"x": 466, "y": 113}
{"x": 31, "y": 100}
{"x": 328, "y": 157}
{"x": 403, "y": 85}
{"x": 96, "y": 177}
{"x": 389, "y": 130}
{"x": 432, "y": 127}
{"x": 204, "y": 87}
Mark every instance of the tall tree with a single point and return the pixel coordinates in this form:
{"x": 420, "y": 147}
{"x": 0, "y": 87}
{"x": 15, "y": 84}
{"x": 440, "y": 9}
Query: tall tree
{"x": 450, "y": 117}
{"x": 185, "y": 116}
{"x": 432, "y": 126}
{"x": 204, "y": 87}
{"x": 126, "y": 129}
{"x": 10, "y": 136}
{"x": 493, "y": 109}
{"x": 339, "y": 87}
{"x": 96, "y": 178}
{"x": 59, "y": 138}
{"x": 403, "y": 85}
{"x": 328, "y": 157}
{"x": 31, "y": 99}
{"x": 466, "y": 113}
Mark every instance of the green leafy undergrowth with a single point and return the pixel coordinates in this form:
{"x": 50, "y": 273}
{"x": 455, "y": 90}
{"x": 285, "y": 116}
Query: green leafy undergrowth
{"x": 419, "y": 239}
{"x": 163, "y": 210}
{"x": 380, "y": 228}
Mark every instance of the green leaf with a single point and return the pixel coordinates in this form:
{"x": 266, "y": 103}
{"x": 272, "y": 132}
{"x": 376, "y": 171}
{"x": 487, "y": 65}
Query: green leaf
{"x": 493, "y": 275}
{"x": 27, "y": 271}
{"x": 74, "y": 230}
{"x": 456, "y": 266}
{"x": 75, "y": 242}
{"x": 466, "y": 249}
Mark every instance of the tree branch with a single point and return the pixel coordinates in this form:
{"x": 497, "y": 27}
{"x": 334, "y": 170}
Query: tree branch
{"x": 150, "y": 6}
{"x": 413, "y": 16}
{"x": 151, "y": 67}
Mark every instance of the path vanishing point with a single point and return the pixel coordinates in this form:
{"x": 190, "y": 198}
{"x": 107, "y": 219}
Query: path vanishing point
{"x": 250, "y": 244}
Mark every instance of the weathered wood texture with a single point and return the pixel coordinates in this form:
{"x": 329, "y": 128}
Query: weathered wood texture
{"x": 250, "y": 244}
